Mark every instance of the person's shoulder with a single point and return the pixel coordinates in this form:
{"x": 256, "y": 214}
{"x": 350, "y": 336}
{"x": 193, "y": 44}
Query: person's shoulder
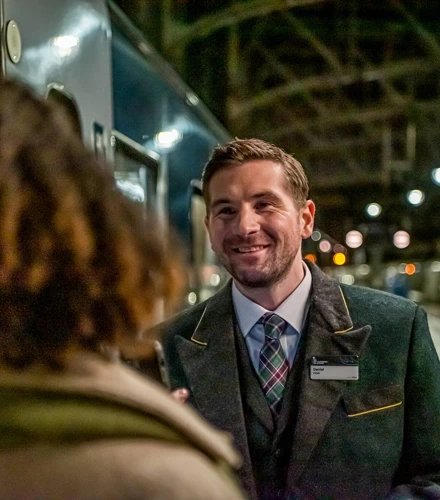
{"x": 117, "y": 469}
{"x": 377, "y": 301}
{"x": 178, "y": 471}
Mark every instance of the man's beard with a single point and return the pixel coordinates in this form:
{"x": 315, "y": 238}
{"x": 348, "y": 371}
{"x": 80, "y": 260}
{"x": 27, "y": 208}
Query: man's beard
{"x": 274, "y": 270}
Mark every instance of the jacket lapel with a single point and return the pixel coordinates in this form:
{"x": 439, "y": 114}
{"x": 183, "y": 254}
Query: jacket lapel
{"x": 210, "y": 362}
{"x": 331, "y": 332}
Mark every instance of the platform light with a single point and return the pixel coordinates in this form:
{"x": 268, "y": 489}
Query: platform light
{"x": 364, "y": 269}
{"x": 415, "y": 197}
{"x": 373, "y": 209}
{"x": 410, "y": 269}
{"x": 215, "y": 279}
{"x": 311, "y": 257}
{"x": 347, "y": 279}
{"x": 192, "y": 298}
{"x": 325, "y": 246}
{"x": 316, "y": 235}
{"x": 401, "y": 268}
{"x": 392, "y": 271}
{"x": 354, "y": 239}
{"x": 339, "y": 259}
{"x": 401, "y": 239}
{"x": 435, "y": 266}
{"x": 435, "y": 174}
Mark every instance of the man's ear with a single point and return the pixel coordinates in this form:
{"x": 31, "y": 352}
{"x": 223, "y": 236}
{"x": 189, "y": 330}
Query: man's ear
{"x": 307, "y": 215}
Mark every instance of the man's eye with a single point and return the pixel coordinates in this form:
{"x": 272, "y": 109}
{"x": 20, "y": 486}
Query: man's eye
{"x": 263, "y": 204}
{"x": 226, "y": 211}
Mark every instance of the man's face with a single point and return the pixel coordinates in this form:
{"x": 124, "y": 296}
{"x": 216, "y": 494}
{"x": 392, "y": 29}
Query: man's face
{"x": 254, "y": 226}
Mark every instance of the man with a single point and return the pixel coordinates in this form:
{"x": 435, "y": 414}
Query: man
{"x": 329, "y": 391}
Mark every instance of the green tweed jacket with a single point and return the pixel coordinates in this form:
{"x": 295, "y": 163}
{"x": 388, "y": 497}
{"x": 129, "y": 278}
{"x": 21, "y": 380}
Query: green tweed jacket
{"x": 373, "y": 438}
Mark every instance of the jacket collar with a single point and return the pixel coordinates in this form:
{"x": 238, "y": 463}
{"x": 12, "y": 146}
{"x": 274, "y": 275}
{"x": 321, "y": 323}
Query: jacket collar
{"x": 90, "y": 375}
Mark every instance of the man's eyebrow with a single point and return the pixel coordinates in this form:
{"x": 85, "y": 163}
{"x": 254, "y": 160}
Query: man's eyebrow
{"x": 220, "y": 201}
{"x": 266, "y": 194}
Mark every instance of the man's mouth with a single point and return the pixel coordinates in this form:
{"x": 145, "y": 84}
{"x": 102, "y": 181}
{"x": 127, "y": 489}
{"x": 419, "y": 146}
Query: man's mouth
{"x": 249, "y": 249}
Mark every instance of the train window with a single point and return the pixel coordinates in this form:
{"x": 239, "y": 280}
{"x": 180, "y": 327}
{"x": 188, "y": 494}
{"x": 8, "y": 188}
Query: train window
{"x": 58, "y": 95}
{"x": 136, "y": 171}
{"x": 207, "y": 275}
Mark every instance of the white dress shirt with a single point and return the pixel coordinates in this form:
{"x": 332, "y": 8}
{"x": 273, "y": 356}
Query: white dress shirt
{"x": 293, "y": 310}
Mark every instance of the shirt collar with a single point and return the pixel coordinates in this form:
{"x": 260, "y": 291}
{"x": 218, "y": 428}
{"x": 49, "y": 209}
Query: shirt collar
{"x": 294, "y": 309}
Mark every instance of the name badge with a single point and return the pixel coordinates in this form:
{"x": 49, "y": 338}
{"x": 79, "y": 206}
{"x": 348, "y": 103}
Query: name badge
{"x": 334, "y": 368}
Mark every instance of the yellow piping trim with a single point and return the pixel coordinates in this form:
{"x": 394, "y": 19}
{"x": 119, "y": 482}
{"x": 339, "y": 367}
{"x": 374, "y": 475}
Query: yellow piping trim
{"x": 348, "y": 312}
{"x": 195, "y": 340}
{"x": 376, "y": 409}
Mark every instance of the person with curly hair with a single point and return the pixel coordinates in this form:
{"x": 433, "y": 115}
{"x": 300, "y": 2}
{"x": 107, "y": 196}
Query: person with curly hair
{"x": 81, "y": 275}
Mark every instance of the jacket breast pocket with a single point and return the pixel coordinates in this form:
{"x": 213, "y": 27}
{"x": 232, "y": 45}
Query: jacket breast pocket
{"x": 377, "y": 400}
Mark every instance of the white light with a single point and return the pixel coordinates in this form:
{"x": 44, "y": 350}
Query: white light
{"x": 354, "y": 239}
{"x": 131, "y": 190}
{"x": 435, "y": 267}
{"x": 364, "y": 269}
{"x": 435, "y": 174}
{"x": 65, "y": 44}
{"x": 66, "y": 41}
{"x": 392, "y": 271}
{"x": 192, "y": 98}
{"x": 325, "y": 246}
{"x": 415, "y": 197}
{"x": 214, "y": 279}
{"x": 168, "y": 138}
{"x": 401, "y": 239}
{"x": 192, "y": 298}
{"x": 316, "y": 235}
{"x": 402, "y": 268}
{"x": 347, "y": 279}
{"x": 374, "y": 209}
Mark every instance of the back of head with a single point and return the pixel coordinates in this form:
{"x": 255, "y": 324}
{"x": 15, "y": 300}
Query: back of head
{"x": 239, "y": 151}
{"x": 79, "y": 265}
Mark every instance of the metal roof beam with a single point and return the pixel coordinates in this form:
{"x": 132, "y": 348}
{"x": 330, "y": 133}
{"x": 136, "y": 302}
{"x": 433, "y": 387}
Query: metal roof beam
{"x": 335, "y": 81}
{"x": 236, "y": 13}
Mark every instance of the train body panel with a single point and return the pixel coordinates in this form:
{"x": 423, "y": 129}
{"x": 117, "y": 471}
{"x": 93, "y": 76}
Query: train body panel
{"x": 66, "y": 46}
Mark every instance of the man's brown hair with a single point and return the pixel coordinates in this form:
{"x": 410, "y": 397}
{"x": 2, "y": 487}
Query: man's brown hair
{"x": 239, "y": 151}
{"x": 79, "y": 265}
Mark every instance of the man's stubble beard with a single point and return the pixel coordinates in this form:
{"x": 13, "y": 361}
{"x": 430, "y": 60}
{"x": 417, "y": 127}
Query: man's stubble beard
{"x": 274, "y": 271}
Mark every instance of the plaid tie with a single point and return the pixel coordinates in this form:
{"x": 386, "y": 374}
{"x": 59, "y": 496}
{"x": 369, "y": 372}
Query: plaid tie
{"x": 274, "y": 368}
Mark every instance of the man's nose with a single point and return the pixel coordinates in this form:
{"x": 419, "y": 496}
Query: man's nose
{"x": 247, "y": 222}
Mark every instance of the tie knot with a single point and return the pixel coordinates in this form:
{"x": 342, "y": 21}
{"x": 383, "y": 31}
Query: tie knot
{"x": 274, "y": 326}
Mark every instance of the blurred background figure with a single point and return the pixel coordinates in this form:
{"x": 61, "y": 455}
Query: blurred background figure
{"x": 81, "y": 273}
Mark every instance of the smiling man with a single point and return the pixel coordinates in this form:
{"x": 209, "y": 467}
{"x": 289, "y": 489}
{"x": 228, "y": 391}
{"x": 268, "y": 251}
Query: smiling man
{"x": 329, "y": 391}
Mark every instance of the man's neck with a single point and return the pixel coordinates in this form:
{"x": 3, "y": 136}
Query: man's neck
{"x": 271, "y": 297}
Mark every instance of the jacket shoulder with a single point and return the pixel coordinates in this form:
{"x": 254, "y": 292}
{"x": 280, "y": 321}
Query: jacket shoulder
{"x": 182, "y": 323}
{"x": 377, "y": 303}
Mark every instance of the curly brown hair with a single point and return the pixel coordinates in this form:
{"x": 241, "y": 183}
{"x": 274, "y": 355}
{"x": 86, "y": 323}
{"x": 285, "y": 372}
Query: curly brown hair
{"x": 239, "y": 151}
{"x": 79, "y": 265}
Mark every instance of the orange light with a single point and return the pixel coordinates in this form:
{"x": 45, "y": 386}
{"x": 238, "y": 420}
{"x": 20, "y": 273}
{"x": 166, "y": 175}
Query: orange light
{"x": 410, "y": 269}
{"x": 311, "y": 257}
{"x": 339, "y": 259}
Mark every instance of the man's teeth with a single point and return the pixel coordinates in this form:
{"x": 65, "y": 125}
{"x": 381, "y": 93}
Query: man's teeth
{"x": 250, "y": 249}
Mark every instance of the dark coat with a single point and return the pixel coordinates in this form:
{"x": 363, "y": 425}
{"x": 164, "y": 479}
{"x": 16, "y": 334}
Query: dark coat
{"x": 368, "y": 439}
